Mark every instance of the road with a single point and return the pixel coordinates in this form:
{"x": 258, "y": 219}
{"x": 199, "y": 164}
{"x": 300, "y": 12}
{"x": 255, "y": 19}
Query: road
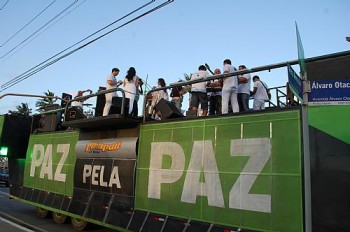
{"x": 16, "y": 216}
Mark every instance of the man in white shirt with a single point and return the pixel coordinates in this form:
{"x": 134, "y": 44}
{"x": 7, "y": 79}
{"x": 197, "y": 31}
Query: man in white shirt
{"x": 260, "y": 94}
{"x": 199, "y": 90}
{"x": 243, "y": 90}
{"x": 111, "y": 83}
{"x": 229, "y": 89}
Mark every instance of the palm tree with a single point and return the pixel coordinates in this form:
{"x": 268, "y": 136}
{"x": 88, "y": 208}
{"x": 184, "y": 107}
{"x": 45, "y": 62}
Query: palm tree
{"x": 22, "y": 110}
{"x": 48, "y": 100}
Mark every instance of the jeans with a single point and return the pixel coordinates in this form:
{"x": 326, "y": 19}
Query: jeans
{"x": 243, "y": 101}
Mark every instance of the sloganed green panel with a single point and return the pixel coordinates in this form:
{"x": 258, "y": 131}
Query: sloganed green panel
{"x": 50, "y": 162}
{"x": 239, "y": 171}
{"x": 333, "y": 120}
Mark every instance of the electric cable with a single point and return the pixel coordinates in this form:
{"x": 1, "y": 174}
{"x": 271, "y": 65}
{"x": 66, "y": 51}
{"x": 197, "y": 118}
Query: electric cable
{"x": 42, "y": 31}
{"x": 84, "y": 45}
{"x": 37, "y": 67}
{"x": 75, "y": 50}
{"x": 40, "y": 28}
{"x": 4, "y": 5}
{"x": 27, "y": 23}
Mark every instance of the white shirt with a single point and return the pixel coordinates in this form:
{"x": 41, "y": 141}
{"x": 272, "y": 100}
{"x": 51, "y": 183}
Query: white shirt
{"x": 108, "y": 86}
{"x": 201, "y": 86}
{"x": 245, "y": 87}
{"x": 229, "y": 82}
{"x": 261, "y": 93}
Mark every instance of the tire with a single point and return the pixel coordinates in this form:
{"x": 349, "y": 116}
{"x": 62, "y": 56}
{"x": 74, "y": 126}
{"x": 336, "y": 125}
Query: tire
{"x": 42, "y": 213}
{"x": 79, "y": 224}
{"x": 59, "y": 218}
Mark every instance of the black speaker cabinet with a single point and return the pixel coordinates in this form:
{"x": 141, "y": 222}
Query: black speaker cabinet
{"x": 117, "y": 105}
{"x": 74, "y": 113}
{"x": 191, "y": 114}
{"x": 66, "y": 97}
{"x": 168, "y": 109}
{"x": 100, "y": 102}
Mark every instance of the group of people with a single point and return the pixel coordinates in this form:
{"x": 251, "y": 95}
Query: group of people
{"x": 229, "y": 94}
{"x": 219, "y": 96}
{"x": 132, "y": 85}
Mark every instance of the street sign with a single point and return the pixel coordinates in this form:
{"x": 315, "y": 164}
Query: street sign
{"x": 301, "y": 56}
{"x": 295, "y": 83}
{"x": 330, "y": 92}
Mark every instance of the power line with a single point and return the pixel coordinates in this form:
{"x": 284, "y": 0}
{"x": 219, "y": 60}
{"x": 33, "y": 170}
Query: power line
{"x": 42, "y": 65}
{"x": 28, "y": 23}
{"x": 4, "y": 5}
{"x": 40, "y": 28}
{"x": 42, "y": 31}
{"x": 23, "y": 74}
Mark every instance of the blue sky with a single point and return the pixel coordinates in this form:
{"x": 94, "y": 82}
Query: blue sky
{"x": 167, "y": 43}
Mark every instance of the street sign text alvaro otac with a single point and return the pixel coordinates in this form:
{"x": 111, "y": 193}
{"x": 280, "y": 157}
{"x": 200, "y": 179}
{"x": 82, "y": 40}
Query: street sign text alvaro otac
{"x": 330, "y": 92}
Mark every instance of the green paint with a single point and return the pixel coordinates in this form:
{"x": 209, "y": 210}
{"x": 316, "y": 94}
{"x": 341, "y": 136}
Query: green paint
{"x": 50, "y": 162}
{"x": 333, "y": 120}
{"x": 280, "y": 177}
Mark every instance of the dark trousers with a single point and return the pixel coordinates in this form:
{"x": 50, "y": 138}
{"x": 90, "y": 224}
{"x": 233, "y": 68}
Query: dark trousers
{"x": 243, "y": 101}
{"x": 215, "y": 105}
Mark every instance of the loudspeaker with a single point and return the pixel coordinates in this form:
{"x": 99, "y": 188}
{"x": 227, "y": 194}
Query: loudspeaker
{"x": 191, "y": 114}
{"x": 50, "y": 121}
{"x": 100, "y": 102}
{"x": 117, "y": 105}
{"x": 66, "y": 97}
{"x": 74, "y": 113}
{"x": 168, "y": 109}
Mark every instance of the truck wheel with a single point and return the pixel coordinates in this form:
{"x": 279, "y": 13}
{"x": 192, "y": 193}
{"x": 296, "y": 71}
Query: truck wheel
{"x": 79, "y": 224}
{"x": 42, "y": 213}
{"x": 59, "y": 218}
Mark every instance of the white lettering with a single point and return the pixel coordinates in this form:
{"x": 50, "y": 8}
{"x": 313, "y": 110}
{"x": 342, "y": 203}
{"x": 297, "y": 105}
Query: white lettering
{"x": 36, "y": 161}
{"x": 259, "y": 151}
{"x": 64, "y": 149}
{"x": 115, "y": 177}
{"x": 86, "y": 172}
{"x": 159, "y": 176}
{"x": 46, "y": 166}
{"x": 94, "y": 175}
{"x": 203, "y": 160}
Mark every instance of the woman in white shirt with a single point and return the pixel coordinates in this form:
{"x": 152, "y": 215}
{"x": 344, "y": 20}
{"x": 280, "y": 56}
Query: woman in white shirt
{"x": 130, "y": 86}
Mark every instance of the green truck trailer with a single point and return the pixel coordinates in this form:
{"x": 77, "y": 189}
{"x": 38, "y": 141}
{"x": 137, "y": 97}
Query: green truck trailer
{"x": 234, "y": 172}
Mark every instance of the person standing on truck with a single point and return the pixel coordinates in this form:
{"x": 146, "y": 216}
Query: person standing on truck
{"x": 229, "y": 89}
{"x": 131, "y": 84}
{"x": 199, "y": 90}
{"x": 243, "y": 90}
{"x": 215, "y": 98}
{"x": 111, "y": 83}
{"x": 260, "y": 94}
{"x": 80, "y": 94}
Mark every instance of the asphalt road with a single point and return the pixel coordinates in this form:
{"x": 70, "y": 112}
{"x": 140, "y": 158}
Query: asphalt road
{"x": 16, "y": 216}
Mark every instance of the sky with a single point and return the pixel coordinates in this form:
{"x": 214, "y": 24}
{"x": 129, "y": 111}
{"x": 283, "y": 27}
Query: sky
{"x": 167, "y": 43}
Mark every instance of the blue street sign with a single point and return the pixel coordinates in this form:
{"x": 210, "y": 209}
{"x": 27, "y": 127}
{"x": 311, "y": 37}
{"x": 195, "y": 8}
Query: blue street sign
{"x": 330, "y": 92}
{"x": 295, "y": 83}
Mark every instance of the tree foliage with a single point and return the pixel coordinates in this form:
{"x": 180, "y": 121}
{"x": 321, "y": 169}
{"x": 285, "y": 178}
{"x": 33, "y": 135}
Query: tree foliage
{"x": 48, "y": 100}
{"x": 22, "y": 110}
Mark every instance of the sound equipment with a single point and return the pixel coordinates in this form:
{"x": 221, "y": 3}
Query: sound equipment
{"x": 100, "y": 102}
{"x": 191, "y": 114}
{"x": 117, "y": 105}
{"x": 50, "y": 121}
{"x": 66, "y": 97}
{"x": 168, "y": 109}
{"x": 74, "y": 113}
